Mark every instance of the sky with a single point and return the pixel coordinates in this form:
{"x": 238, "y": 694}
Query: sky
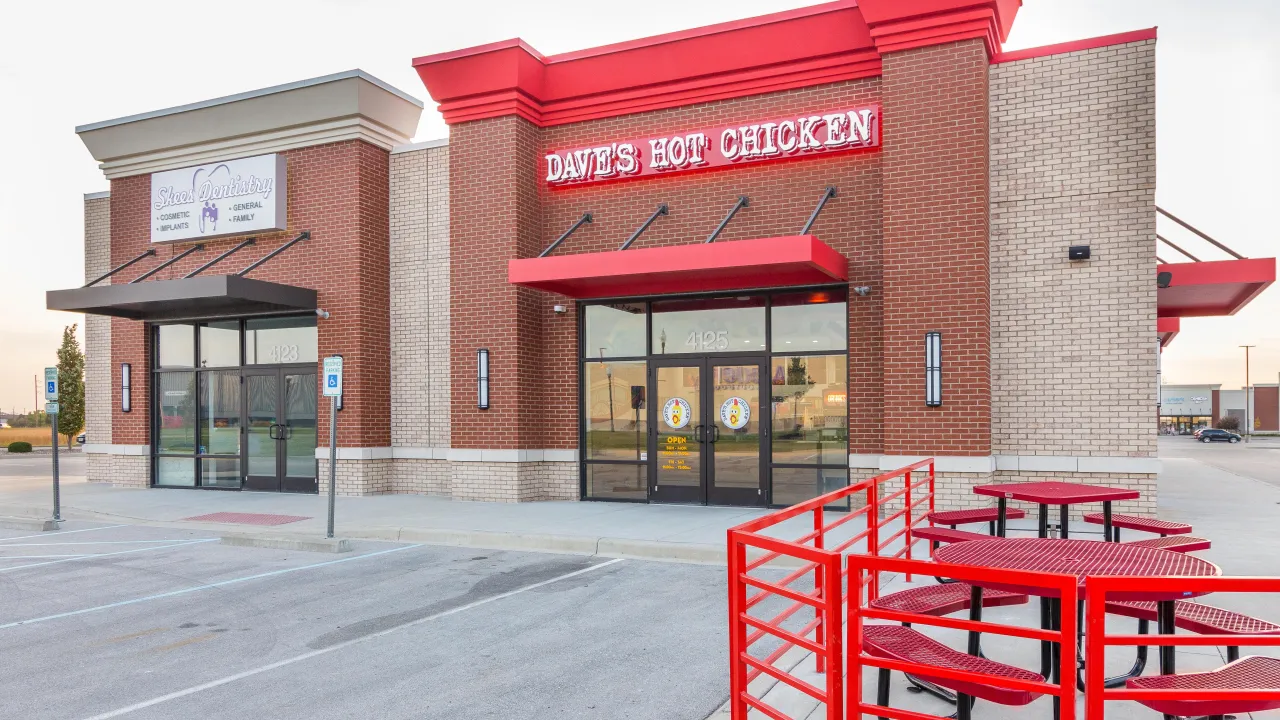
{"x": 1217, "y": 77}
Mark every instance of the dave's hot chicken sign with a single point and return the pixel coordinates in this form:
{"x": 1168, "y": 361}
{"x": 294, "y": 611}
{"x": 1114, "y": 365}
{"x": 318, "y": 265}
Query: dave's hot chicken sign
{"x": 801, "y": 136}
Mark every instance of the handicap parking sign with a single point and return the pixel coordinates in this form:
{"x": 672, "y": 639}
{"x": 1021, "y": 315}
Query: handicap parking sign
{"x": 333, "y": 376}
{"x": 51, "y": 383}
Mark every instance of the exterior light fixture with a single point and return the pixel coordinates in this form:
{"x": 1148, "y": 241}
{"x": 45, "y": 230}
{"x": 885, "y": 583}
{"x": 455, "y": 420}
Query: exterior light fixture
{"x": 933, "y": 369}
{"x": 126, "y": 391}
{"x": 482, "y": 378}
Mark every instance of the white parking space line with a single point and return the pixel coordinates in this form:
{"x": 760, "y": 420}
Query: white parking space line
{"x": 62, "y": 532}
{"x": 110, "y": 554}
{"x": 36, "y": 557}
{"x": 91, "y": 542}
{"x": 199, "y": 588}
{"x": 332, "y": 648}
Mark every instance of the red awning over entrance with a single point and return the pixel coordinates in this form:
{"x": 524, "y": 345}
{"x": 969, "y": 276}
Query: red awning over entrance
{"x": 735, "y": 265}
{"x": 1222, "y": 287}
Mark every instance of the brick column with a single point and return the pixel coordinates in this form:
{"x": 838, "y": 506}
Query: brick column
{"x": 496, "y": 215}
{"x": 936, "y": 237}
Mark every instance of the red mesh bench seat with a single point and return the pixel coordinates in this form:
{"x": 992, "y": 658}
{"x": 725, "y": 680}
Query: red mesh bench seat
{"x": 943, "y": 599}
{"x": 1176, "y": 543}
{"x": 947, "y": 535}
{"x": 1197, "y": 618}
{"x": 1135, "y": 522}
{"x": 1251, "y": 673}
{"x": 896, "y": 642}
{"x": 952, "y": 518}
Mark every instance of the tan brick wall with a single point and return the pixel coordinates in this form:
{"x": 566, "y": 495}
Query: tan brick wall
{"x": 420, "y": 298}
{"x": 1073, "y": 343}
{"x": 514, "y": 482}
{"x": 358, "y": 477}
{"x": 97, "y": 337}
{"x": 420, "y": 476}
{"x": 119, "y": 470}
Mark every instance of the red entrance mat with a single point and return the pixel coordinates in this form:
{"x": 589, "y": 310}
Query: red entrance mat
{"x": 248, "y": 518}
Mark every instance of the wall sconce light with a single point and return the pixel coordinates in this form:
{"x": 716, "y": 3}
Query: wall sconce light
{"x": 126, "y": 391}
{"x": 933, "y": 369}
{"x": 482, "y": 378}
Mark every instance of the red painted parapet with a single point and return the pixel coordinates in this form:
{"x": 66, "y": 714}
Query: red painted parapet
{"x": 818, "y": 555}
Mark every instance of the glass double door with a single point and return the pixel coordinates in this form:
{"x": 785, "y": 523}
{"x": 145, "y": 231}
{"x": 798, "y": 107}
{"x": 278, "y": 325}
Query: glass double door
{"x": 709, "y": 437}
{"x": 280, "y": 429}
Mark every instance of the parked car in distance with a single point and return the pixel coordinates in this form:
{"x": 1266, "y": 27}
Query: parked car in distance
{"x": 80, "y": 439}
{"x": 1216, "y": 435}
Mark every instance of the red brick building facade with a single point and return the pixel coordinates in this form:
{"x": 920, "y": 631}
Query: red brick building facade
{"x": 952, "y": 220}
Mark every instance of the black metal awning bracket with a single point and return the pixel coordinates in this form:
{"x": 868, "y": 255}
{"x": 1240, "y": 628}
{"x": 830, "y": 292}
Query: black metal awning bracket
{"x": 827, "y": 194}
{"x": 662, "y": 210}
{"x": 743, "y": 201}
{"x": 1188, "y": 226}
{"x": 166, "y": 263}
{"x": 219, "y": 259}
{"x": 304, "y": 235}
{"x": 586, "y": 218}
{"x": 148, "y": 253}
{"x": 1165, "y": 240}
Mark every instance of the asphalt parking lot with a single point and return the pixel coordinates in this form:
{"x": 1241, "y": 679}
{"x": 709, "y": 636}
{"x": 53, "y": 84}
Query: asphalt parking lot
{"x": 129, "y": 621}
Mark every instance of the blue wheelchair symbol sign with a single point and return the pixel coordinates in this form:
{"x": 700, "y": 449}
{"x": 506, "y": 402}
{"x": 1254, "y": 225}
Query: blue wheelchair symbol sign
{"x": 333, "y": 381}
{"x": 51, "y": 387}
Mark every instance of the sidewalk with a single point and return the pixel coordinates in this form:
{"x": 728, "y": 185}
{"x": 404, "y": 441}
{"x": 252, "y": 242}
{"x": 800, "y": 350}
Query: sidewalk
{"x": 664, "y": 532}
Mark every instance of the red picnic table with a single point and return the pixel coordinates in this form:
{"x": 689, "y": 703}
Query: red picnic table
{"x": 1061, "y": 494}
{"x": 1082, "y": 558}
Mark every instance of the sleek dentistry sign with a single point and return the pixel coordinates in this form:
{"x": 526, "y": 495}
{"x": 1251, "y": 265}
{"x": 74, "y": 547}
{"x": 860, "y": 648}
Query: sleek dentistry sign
{"x": 806, "y": 135}
{"x": 220, "y": 199}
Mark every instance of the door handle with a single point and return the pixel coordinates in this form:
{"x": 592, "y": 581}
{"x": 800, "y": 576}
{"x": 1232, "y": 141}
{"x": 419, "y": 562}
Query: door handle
{"x": 697, "y": 433}
{"x": 715, "y": 433}
{"x": 271, "y": 432}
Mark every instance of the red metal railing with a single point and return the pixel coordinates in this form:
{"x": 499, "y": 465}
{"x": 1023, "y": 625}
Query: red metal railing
{"x": 816, "y": 554}
{"x": 1097, "y": 641}
{"x": 1062, "y": 587}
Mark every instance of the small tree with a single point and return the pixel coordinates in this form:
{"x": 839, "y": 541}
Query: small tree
{"x": 1229, "y": 423}
{"x": 70, "y": 385}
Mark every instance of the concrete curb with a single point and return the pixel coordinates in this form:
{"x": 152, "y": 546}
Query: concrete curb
{"x": 697, "y": 553}
{"x": 34, "y": 525}
{"x": 282, "y": 542}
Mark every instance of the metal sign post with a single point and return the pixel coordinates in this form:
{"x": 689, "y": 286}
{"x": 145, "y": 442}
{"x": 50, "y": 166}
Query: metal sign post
{"x": 333, "y": 391}
{"x": 51, "y": 409}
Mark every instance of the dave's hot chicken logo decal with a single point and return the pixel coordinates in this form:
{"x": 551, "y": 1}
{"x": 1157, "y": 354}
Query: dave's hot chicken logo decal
{"x": 805, "y": 135}
{"x": 675, "y": 413}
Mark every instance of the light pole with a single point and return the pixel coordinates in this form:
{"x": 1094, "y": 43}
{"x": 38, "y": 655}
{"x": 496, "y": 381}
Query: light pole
{"x": 1248, "y": 416}
{"x": 608, "y": 373}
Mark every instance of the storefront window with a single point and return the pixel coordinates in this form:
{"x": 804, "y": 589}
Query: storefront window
{"x": 709, "y": 325}
{"x": 176, "y": 346}
{"x": 793, "y": 485}
{"x": 810, "y": 409}
{"x": 614, "y": 331}
{"x": 220, "y": 472}
{"x": 176, "y": 471}
{"x": 220, "y": 413}
{"x": 279, "y": 341}
{"x": 220, "y": 344}
{"x": 809, "y": 321}
{"x": 176, "y": 424}
{"x": 616, "y": 421}
{"x": 617, "y": 481}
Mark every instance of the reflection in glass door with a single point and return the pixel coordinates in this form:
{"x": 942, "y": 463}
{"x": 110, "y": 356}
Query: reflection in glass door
{"x": 261, "y": 418}
{"x": 679, "y": 434}
{"x": 738, "y": 437}
{"x": 299, "y": 431}
{"x": 280, "y": 430}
